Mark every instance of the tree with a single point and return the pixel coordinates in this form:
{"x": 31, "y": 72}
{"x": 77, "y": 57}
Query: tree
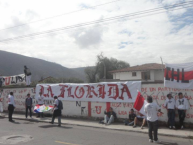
{"x": 102, "y": 68}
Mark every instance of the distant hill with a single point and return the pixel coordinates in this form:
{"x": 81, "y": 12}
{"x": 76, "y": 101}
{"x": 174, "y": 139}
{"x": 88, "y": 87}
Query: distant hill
{"x": 12, "y": 64}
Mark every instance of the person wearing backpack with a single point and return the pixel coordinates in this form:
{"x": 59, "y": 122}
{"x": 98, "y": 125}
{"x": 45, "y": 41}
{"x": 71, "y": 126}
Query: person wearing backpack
{"x": 58, "y": 106}
{"x": 28, "y": 74}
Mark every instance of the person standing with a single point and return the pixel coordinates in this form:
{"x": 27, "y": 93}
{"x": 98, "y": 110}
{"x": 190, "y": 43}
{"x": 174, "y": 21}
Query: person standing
{"x": 11, "y": 106}
{"x": 151, "y": 109}
{"x": 170, "y": 106}
{"x": 40, "y": 102}
{"x": 57, "y": 110}
{"x": 28, "y": 105}
{"x": 182, "y": 105}
{"x": 28, "y": 74}
{"x": 1, "y": 104}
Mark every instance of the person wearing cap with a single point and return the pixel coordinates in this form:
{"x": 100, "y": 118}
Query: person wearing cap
{"x": 28, "y": 74}
{"x": 28, "y": 105}
{"x": 11, "y": 106}
{"x": 57, "y": 112}
{"x": 182, "y": 106}
{"x": 170, "y": 106}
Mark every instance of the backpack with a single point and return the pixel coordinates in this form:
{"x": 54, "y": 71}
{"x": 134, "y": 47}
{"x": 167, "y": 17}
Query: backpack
{"x": 28, "y": 72}
{"x": 60, "y": 105}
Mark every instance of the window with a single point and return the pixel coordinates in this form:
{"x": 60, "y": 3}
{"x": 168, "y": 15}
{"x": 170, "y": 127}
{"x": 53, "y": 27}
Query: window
{"x": 134, "y": 74}
{"x": 145, "y": 75}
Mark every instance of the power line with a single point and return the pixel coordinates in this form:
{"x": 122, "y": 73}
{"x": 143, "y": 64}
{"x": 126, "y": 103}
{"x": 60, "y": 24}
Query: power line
{"x": 147, "y": 12}
{"x": 59, "y": 15}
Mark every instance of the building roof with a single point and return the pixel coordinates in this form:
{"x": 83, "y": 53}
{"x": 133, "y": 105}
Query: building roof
{"x": 143, "y": 67}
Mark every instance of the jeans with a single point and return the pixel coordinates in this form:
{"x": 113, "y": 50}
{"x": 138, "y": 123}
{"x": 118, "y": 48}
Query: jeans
{"x": 182, "y": 115}
{"x": 57, "y": 113}
{"x": 153, "y": 126}
{"x": 108, "y": 120}
{"x": 171, "y": 117}
{"x": 10, "y": 109}
{"x": 129, "y": 123}
{"x": 26, "y": 111}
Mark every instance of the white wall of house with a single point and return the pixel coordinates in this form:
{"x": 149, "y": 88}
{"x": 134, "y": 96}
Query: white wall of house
{"x": 154, "y": 75}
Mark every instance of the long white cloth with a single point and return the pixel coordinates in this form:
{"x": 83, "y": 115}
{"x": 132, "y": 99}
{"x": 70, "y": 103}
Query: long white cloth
{"x": 28, "y": 80}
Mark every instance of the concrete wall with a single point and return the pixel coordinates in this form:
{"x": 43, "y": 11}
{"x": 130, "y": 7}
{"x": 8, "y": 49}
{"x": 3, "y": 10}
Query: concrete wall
{"x": 96, "y": 109}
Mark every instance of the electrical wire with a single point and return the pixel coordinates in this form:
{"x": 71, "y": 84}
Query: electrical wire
{"x": 147, "y": 12}
{"x": 58, "y": 15}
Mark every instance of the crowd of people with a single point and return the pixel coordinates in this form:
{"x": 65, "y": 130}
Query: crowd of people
{"x": 150, "y": 117}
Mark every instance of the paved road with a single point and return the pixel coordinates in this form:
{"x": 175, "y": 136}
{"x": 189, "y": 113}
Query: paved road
{"x": 47, "y": 134}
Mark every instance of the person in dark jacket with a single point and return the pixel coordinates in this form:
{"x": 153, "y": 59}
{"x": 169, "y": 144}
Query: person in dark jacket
{"x": 110, "y": 116}
{"x": 132, "y": 116}
{"x": 28, "y": 105}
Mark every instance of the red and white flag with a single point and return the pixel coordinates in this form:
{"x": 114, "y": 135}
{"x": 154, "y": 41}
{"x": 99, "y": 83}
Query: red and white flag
{"x": 140, "y": 103}
{"x": 179, "y": 76}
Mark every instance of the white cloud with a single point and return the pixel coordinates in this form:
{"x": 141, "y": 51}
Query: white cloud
{"x": 148, "y": 37}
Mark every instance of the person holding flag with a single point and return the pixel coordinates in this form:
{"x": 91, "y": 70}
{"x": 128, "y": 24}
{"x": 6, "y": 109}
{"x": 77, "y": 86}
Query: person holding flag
{"x": 152, "y": 109}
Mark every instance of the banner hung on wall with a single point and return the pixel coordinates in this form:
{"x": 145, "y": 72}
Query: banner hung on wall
{"x": 179, "y": 76}
{"x": 12, "y": 80}
{"x": 96, "y": 92}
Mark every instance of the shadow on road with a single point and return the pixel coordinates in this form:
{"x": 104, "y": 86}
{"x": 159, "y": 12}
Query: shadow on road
{"x": 167, "y": 143}
{"x": 50, "y": 126}
{"x": 16, "y": 122}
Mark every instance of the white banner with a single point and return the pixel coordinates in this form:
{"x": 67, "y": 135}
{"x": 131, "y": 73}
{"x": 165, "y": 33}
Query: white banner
{"x": 179, "y": 76}
{"x": 12, "y": 80}
{"x": 97, "y": 92}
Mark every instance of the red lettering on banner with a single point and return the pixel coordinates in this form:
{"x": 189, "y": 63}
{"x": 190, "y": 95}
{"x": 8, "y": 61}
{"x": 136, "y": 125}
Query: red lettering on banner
{"x": 113, "y": 88}
{"x": 42, "y": 89}
{"x": 152, "y": 89}
{"x": 7, "y": 81}
{"x": 101, "y": 91}
{"x": 98, "y": 109}
{"x": 81, "y": 92}
{"x": 143, "y": 89}
{"x": 116, "y": 104}
{"x": 125, "y": 89}
{"x": 49, "y": 92}
{"x": 62, "y": 90}
{"x": 90, "y": 90}
{"x": 122, "y": 112}
{"x": 163, "y": 97}
{"x": 70, "y": 92}
{"x": 189, "y": 116}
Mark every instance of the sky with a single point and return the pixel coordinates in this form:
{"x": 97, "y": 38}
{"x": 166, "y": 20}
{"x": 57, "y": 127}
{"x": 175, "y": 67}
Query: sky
{"x": 136, "y": 39}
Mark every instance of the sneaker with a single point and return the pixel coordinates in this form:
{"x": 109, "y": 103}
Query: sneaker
{"x": 141, "y": 127}
{"x": 150, "y": 140}
{"x": 134, "y": 126}
{"x": 170, "y": 127}
{"x": 157, "y": 141}
{"x": 182, "y": 127}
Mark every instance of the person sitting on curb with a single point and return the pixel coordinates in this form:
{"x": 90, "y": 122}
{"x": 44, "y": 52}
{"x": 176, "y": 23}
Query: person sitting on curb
{"x": 140, "y": 117}
{"x": 110, "y": 116}
{"x": 170, "y": 106}
{"x": 132, "y": 116}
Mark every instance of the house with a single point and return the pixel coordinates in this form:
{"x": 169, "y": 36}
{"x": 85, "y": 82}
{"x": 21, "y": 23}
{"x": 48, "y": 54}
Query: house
{"x": 150, "y": 72}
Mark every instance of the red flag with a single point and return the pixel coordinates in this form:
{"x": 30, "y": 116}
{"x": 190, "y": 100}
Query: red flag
{"x": 139, "y": 103}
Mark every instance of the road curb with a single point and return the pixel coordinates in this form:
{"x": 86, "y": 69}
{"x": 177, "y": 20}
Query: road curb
{"x": 128, "y": 130}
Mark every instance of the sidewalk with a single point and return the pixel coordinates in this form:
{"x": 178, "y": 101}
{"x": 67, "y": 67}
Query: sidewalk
{"x": 121, "y": 127}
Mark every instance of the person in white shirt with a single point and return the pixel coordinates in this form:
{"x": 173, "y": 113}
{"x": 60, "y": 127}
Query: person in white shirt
{"x": 11, "y": 106}
{"x": 151, "y": 109}
{"x": 182, "y": 105}
{"x": 57, "y": 112}
{"x": 170, "y": 106}
{"x": 40, "y": 102}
